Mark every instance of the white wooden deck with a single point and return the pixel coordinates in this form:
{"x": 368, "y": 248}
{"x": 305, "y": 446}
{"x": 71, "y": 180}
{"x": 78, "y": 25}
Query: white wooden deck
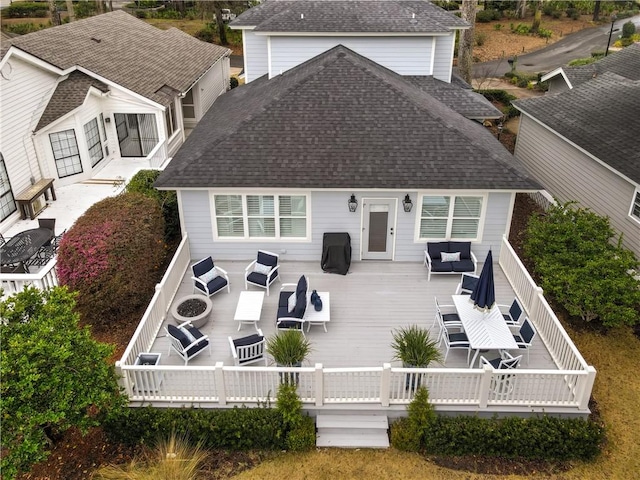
{"x": 366, "y": 305}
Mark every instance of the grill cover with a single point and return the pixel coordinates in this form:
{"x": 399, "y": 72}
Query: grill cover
{"x": 336, "y": 253}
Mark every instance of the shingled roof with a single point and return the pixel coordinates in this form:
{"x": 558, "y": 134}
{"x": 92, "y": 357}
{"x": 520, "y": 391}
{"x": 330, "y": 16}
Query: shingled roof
{"x": 127, "y": 51}
{"x": 339, "y": 120}
{"x": 373, "y": 16}
{"x": 69, "y": 95}
{"x": 599, "y": 116}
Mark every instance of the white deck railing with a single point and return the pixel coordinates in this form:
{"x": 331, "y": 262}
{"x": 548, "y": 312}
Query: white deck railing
{"x": 155, "y": 313}
{"x": 567, "y": 387}
{"x": 383, "y": 386}
{"x": 158, "y": 155}
{"x": 45, "y": 278}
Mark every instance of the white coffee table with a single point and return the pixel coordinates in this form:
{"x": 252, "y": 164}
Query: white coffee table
{"x": 311, "y": 317}
{"x": 249, "y": 308}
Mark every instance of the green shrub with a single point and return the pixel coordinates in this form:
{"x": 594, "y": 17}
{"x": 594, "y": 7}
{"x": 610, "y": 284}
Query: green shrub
{"x": 521, "y": 29}
{"x": 206, "y": 35}
{"x": 497, "y": 27}
{"x": 235, "y": 429}
{"x": 84, "y": 9}
{"x": 572, "y": 252}
{"x": 142, "y": 182}
{"x": 556, "y": 14}
{"x": 573, "y": 13}
{"x": 544, "y": 33}
{"x": 481, "y": 38}
{"x": 112, "y": 256}
{"x": 24, "y": 28}
{"x": 233, "y": 83}
{"x": 299, "y": 430}
{"x": 486, "y": 16}
{"x": 503, "y": 97}
{"x": 405, "y": 436}
{"x": 302, "y": 438}
{"x": 26, "y": 9}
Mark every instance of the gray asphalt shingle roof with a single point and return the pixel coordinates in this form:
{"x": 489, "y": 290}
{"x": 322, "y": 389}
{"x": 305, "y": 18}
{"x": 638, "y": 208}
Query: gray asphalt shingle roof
{"x": 339, "y": 121}
{"x": 69, "y": 95}
{"x": 601, "y": 116}
{"x": 375, "y": 16}
{"x": 127, "y": 51}
{"x": 625, "y": 63}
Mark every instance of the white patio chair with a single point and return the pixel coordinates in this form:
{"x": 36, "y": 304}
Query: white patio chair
{"x": 512, "y": 313}
{"x": 263, "y": 271}
{"x": 467, "y": 285}
{"x": 187, "y": 341}
{"x": 446, "y": 317}
{"x": 209, "y": 279}
{"x": 249, "y": 349}
{"x": 457, "y": 340}
{"x": 502, "y": 384}
{"x": 525, "y": 336}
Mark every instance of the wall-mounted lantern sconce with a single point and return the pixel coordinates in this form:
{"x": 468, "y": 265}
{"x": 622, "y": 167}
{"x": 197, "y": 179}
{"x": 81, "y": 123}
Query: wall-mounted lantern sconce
{"x": 107, "y": 119}
{"x": 407, "y": 204}
{"x": 353, "y": 203}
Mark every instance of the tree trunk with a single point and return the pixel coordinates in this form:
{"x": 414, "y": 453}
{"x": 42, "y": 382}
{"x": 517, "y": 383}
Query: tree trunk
{"x": 596, "y": 11}
{"x": 100, "y": 6}
{"x": 53, "y": 12}
{"x": 70, "y": 14}
{"x": 521, "y": 8}
{"x": 465, "y": 44}
{"x": 222, "y": 28}
{"x": 537, "y": 17}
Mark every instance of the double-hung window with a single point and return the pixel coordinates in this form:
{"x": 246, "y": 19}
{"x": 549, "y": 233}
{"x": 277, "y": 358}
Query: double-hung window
{"x": 450, "y": 217}
{"x": 170, "y": 119}
{"x": 65, "y": 153}
{"x": 92, "y": 136}
{"x": 261, "y": 216}
{"x": 7, "y": 203}
{"x": 635, "y": 206}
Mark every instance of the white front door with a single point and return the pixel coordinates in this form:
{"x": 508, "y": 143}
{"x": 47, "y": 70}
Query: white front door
{"x": 378, "y": 228}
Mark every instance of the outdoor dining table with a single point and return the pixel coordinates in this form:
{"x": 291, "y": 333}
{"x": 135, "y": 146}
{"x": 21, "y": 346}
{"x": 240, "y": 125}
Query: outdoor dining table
{"x": 485, "y": 330}
{"x": 23, "y": 246}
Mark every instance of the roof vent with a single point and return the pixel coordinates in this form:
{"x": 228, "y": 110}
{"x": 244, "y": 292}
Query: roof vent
{"x": 413, "y": 15}
{"x": 302, "y": 16}
{"x": 97, "y": 40}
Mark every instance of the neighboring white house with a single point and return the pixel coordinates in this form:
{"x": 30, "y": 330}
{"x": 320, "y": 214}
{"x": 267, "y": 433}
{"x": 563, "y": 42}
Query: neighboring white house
{"x": 76, "y": 96}
{"x": 582, "y": 143}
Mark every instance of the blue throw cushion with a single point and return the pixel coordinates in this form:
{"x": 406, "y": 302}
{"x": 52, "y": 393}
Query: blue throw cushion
{"x": 301, "y": 305}
{"x": 302, "y": 286}
{"x": 283, "y": 312}
{"x": 175, "y": 332}
{"x": 436, "y": 248}
{"x": 257, "y": 278}
{"x": 216, "y": 284}
{"x": 463, "y": 247}
{"x": 266, "y": 259}
{"x": 284, "y": 298}
{"x": 202, "y": 266}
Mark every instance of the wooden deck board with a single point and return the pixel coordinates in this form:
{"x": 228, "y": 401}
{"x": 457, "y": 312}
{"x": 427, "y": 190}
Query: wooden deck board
{"x": 366, "y": 305}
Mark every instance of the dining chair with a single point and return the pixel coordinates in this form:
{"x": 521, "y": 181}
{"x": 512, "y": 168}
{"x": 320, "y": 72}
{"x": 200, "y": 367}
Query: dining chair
{"x": 457, "y": 340}
{"x": 525, "y": 336}
{"x": 49, "y": 223}
{"x": 514, "y": 313}
{"x": 446, "y": 317}
{"x": 263, "y": 271}
{"x": 467, "y": 285}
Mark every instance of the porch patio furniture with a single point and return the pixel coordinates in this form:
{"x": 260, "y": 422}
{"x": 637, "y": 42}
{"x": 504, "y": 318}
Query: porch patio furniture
{"x": 187, "y": 341}
{"x": 49, "y": 223}
{"x": 467, "y": 285}
{"x": 446, "y": 317}
{"x": 525, "y": 336}
{"x": 315, "y": 317}
{"x": 512, "y": 314}
{"x": 23, "y": 246}
{"x": 249, "y": 308}
{"x": 209, "y": 279}
{"x": 292, "y": 305}
{"x": 502, "y": 384}
{"x": 2, "y": 240}
{"x": 455, "y": 341}
{"x": 485, "y": 330}
{"x": 26, "y": 198}
{"x": 263, "y": 271}
{"x": 46, "y": 252}
{"x": 249, "y": 349}
{"x": 449, "y": 257}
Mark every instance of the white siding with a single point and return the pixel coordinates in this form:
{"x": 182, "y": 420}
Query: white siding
{"x": 255, "y": 53}
{"x": 568, "y": 174}
{"x": 443, "y": 57}
{"x": 212, "y": 84}
{"x": 329, "y": 213}
{"x": 22, "y": 100}
{"x": 403, "y": 55}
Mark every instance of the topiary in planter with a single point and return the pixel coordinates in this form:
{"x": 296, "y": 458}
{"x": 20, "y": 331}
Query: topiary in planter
{"x": 112, "y": 256}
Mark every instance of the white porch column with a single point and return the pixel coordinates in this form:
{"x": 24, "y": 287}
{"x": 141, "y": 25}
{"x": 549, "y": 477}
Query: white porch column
{"x": 385, "y": 384}
{"x": 220, "y": 386}
{"x": 319, "y": 382}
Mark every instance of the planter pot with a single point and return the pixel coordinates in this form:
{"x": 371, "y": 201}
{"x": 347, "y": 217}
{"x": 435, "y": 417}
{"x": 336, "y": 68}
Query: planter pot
{"x": 197, "y": 320}
{"x": 412, "y": 380}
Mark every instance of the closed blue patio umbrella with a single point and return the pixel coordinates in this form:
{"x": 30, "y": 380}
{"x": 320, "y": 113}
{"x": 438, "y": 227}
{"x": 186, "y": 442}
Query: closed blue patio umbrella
{"x": 484, "y": 295}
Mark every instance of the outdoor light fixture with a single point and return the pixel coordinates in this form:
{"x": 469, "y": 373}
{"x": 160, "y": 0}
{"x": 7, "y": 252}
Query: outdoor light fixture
{"x": 353, "y": 203}
{"x": 500, "y": 128}
{"x": 407, "y": 204}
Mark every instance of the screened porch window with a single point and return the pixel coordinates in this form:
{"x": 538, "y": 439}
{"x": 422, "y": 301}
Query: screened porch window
{"x": 188, "y": 105}
{"x": 635, "y": 206}
{"x": 7, "y": 203}
{"x": 450, "y": 217}
{"x": 65, "y": 153}
{"x": 92, "y": 136}
{"x": 261, "y": 216}
{"x": 137, "y": 133}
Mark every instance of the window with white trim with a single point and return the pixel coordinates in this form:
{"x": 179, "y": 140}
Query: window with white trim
{"x": 65, "y": 153}
{"x": 635, "y": 206}
{"x": 7, "y": 202}
{"x": 102, "y": 127}
{"x": 170, "y": 119}
{"x": 261, "y": 216}
{"x": 450, "y": 217}
{"x": 92, "y": 136}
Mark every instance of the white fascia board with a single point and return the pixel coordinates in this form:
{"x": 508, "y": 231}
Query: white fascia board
{"x": 226, "y": 55}
{"x": 553, "y": 73}
{"x": 401, "y": 191}
{"x": 351, "y": 34}
{"x": 578, "y": 147}
{"x": 114, "y": 84}
{"x": 27, "y": 57}
{"x": 242, "y": 27}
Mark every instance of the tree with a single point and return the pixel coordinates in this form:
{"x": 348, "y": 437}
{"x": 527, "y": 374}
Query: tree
{"x": 465, "y": 45}
{"x": 70, "y": 14}
{"x": 54, "y": 375}
{"x": 596, "y": 11}
{"x": 537, "y": 17}
{"x": 222, "y": 28}
{"x": 54, "y": 14}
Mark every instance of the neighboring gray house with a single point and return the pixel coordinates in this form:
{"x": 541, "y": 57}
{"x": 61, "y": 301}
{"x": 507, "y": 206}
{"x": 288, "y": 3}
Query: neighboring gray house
{"x": 583, "y": 145}
{"x": 76, "y": 96}
{"x": 293, "y": 149}
{"x": 625, "y": 62}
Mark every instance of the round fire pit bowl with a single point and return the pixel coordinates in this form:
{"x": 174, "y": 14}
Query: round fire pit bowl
{"x": 192, "y": 308}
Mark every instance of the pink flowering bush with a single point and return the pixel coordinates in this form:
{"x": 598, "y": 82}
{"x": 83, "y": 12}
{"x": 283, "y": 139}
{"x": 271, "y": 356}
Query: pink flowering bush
{"x": 112, "y": 256}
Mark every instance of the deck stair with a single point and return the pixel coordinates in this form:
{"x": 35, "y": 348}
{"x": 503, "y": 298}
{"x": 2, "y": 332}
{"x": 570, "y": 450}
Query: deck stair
{"x": 352, "y": 431}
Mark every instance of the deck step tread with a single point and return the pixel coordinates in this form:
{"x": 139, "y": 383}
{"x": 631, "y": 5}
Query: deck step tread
{"x": 344, "y": 439}
{"x": 352, "y": 421}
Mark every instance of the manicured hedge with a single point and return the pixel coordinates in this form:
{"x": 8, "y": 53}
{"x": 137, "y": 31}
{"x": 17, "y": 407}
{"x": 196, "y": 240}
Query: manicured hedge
{"x": 236, "y": 429}
{"x": 543, "y": 437}
{"x": 26, "y": 9}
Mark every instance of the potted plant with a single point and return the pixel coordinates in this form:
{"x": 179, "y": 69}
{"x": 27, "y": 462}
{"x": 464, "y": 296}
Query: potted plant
{"x": 415, "y": 348}
{"x": 192, "y": 308}
{"x": 288, "y": 349}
